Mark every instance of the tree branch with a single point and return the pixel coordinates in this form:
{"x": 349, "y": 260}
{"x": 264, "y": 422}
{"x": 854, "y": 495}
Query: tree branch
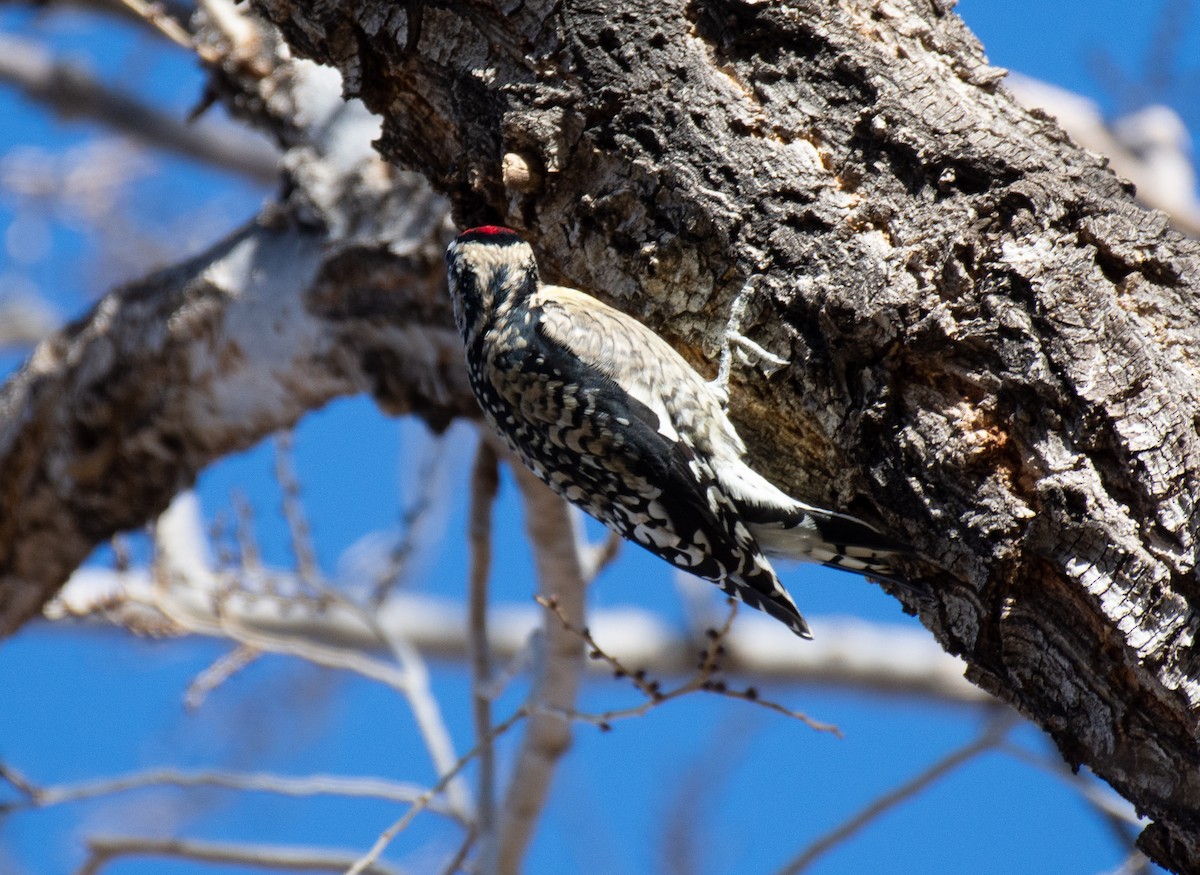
{"x": 560, "y": 568}
{"x": 259, "y": 782}
{"x": 994, "y": 352}
{"x": 72, "y": 92}
{"x": 485, "y": 481}
{"x": 991, "y": 738}
{"x": 335, "y": 290}
{"x": 849, "y": 654}
{"x": 104, "y": 849}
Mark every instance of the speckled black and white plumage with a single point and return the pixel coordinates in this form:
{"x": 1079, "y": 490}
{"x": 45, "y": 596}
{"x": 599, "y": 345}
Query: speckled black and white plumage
{"x": 615, "y": 421}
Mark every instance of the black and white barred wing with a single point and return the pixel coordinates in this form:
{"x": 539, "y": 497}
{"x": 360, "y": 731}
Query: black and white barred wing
{"x": 641, "y": 426}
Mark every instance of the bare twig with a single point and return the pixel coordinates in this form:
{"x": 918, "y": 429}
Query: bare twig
{"x": 19, "y": 783}
{"x": 990, "y": 739}
{"x": 260, "y": 782}
{"x": 103, "y": 850}
{"x": 225, "y": 667}
{"x": 485, "y": 481}
{"x": 1118, "y": 815}
{"x": 199, "y": 591}
{"x": 153, "y": 15}
{"x": 249, "y": 558}
{"x": 303, "y": 549}
{"x": 455, "y": 863}
{"x": 428, "y": 472}
{"x": 416, "y": 688}
{"x": 364, "y": 863}
{"x": 685, "y": 842}
{"x": 180, "y": 10}
{"x": 703, "y": 679}
{"x": 598, "y": 556}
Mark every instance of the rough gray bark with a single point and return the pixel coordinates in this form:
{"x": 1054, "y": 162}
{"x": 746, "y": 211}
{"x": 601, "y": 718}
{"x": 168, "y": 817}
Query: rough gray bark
{"x": 993, "y": 352}
{"x": 336, "y": 288}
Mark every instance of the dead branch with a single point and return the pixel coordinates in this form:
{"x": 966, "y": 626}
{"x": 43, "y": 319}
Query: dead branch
{"x": 256, "y": 782}
{"x": 103, "y": 850}
{"x": 849, "y": 653}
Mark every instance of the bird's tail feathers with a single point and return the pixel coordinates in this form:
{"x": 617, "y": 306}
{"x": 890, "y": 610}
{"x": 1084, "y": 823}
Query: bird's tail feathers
{"x": 837, "y": 540}
{"x": 766, "y": 593}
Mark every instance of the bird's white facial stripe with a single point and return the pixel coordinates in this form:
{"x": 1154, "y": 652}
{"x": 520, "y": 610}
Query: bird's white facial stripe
{"x": 488, "y": 258}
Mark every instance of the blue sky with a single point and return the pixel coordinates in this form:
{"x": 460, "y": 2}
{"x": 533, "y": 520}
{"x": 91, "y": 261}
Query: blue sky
{"x": 751, "y": 787}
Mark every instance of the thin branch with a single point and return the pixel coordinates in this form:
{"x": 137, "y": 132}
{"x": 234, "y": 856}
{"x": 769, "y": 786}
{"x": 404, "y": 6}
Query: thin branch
{"x": 249, "y": 558}
{"x": 73, "y": 92}
{"x": 990, "y": 739}
{"x": 417, "y": 687}
{"x": 686, "y": 837}
{"x": 455, "y": 863}
{"x": 364, "y": 862}
{"x": 705, "y": 677}
{"x": 485, "y": 481}
{"x": 1118, "y": 815}
{"x": 260, "y": 782}
{"x": 180, "y": 10}
{"x": 105, "y": 849}
{"x": 303, "y": 549}
{"x": 225, "y": 667}
{"x": 153, "y": 15}
{"x": 19, "y": 783}
{"x": 429, "y": 472}
{"x": 598, "y": 556}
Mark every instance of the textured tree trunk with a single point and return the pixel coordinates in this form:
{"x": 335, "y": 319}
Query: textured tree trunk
{"x": 993, "y": 352}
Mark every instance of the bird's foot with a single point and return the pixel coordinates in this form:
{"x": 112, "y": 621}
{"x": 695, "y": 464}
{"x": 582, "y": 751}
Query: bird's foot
{"x": 767, "y": 361}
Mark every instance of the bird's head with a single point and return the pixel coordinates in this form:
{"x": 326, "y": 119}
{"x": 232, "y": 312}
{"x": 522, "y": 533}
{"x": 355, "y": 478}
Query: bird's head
{"x": 489, "y": 269}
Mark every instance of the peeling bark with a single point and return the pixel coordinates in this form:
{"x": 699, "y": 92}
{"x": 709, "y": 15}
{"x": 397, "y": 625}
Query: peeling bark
{"x": 994, "y": 352}
{"x": 337, "y": 288}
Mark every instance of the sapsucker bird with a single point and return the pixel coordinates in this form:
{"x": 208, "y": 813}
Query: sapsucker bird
{"x": 615, "y": 421}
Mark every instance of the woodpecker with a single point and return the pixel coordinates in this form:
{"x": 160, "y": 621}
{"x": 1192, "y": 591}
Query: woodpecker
{"x": 608, "y": 415}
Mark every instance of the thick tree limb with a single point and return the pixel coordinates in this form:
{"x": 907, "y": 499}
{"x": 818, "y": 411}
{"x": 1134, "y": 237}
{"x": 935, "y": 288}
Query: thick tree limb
{"x": 992, "y": 347}
{"x": 335, "y": 290}
{"x": 559, "y": 557}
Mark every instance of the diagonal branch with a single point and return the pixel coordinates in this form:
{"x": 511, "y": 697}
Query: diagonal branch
{"x": 333, "y": 291}
{"x": 259, "y": 782}
{"x": 989, "y": 739}
{"x": 73, "y": 92}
